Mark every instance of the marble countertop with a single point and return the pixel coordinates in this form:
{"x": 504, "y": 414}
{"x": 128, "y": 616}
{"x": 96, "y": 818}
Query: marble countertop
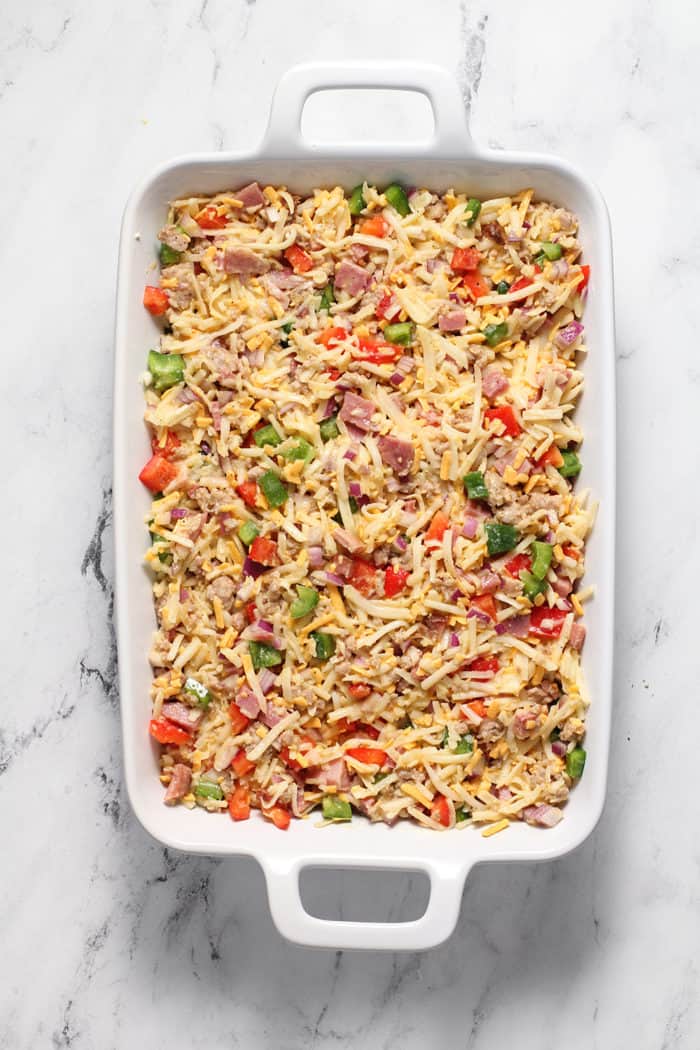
{"x": 109, "y": 940}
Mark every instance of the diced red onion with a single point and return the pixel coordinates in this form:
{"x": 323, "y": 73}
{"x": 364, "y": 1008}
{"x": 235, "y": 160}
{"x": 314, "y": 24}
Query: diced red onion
{"x": 266, "y": 680}
{"x": 454, "y": 640}
{"x": 479, "y": 614}
{"x": 569, "y": 335}
{"x": 396, "y": 378}
{"x": 178, "y": 512}
{"x": 187, "y": 396}
{"x": 355, "y": 489}
{"x": 401, "y": 543}
{"x": 559, "y": 748}
{"x": 518, "y": 626}
{"x": 470, "y": 527}
{"x": 315, "y": 557}
{"x": 253, "y": 568}
{"x": 350, "y": 454}
{"x": 332, "y": 577}
{"x": 184, "y": 594}
{"x": 265, "y": 625}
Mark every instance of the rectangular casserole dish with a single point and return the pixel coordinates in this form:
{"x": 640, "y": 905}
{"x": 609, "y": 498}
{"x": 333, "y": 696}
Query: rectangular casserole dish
{"x": 449, "y": 159}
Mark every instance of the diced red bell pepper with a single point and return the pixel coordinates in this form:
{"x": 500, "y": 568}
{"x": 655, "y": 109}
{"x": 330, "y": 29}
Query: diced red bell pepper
{"x": 520, "y": 563}
{"x": 377, "y": 226}
{"x": 333, "y": 374}
{"x": 298, "y": 259}
{"x": 290, "y": 762}
{"x": 155, "y": 300}
{"x": 476, "y": 284}
{"x": 522, "y": 282}
{"x": 465, "y": 259}
{"x": 586, "y": 271}
{"x": 239, "y": 803}
{"x": 209, "y": 219}
{"x": 167, "y": 733}
{"x": 370, "y": 731}
{"x": 382, "y": 306}
{"x": 440, "y": 811}
{"x": 248, "y": 491}
{"x": 251, "y": 613}
{"x": 546, "y": 622}
{"x": 330, "y": 337}
{"x": 359, "y": 690}
{"x": 394, "y": 581}
{"x": 239, "y": 721}
{"x": 241, "y": 764}
{"x": 363, "y": 576}
{"x": 487, "y": 604}
{"x": 171, "y": 444}
{"x": 506, "y": 415}
{"x": 552, "y": 456}
{"x": 158, "y": 473}
{"x": 484, "y": 663}
{"x": 279, "y": 816}
{"x": 478, "y": 707}
{"x": 263, "y": 551}
{"x": 572, "y": 552}
{"x": 377, "y": 352}
{"x": 370, "y": 756}
{"x": 438, "y": 526}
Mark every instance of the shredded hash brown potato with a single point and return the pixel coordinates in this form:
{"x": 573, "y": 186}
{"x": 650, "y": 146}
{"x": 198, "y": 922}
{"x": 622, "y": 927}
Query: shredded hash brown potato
{"x": 366, "y": 540}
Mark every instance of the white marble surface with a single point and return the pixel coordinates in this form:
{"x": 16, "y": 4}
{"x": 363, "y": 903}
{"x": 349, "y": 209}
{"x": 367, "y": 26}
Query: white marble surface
{"x": 107, "y": 939}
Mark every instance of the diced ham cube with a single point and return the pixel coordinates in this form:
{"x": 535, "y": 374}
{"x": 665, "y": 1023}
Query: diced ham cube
{"x": 243, "y": 261}
{"x": 250, "y": 196}
{"x": 182, "y": 715}
{"x": 452, "y": 320}
{"x": 397, "y": 454}
{"x": 351, "y": 278}
{"x": 357, "y": 411}
{"x": 180, "y": 780}
{"x": 577, "y": 636}
{"x": 493, "y": 381}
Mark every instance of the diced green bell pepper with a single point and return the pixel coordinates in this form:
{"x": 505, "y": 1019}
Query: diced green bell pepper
{"x": 167, "y": 256}
{"x": 247, "y": 532}
{"x": 204, "y": 789}
{"x": 264, "y": 655}
{"x": 396, "y": 197}
{"x": 328, "y": 428}
{"x": 356, "y": 201}
{"x": 166, "y": 369}
{"x": 328, "y": 297}
{"x": 475, "y": 485}
{"x": 541, "y": 558}
{"x": 197, "y": 691}
{"x": 272, "y": 489}
{"x": 465, "y": 745}
{"x": 575, "y": 761}
{"x": 500, "y": 538}
{"x": 461, "y": 814}
{"x": 472, "y": 209}
{"x": 300, "y": 450}
{"x": 531, "y": 585}
{"x": 267, "y": 436}
{"x": 502, "y": 287}
{"x": 496, "y": 333}
{"x": 305, "y": 602}
{"x": 400, "y": 334}
{"x": 335, "y": 809}
{"x": 550, "y": 251}
{"x": 571, "y": 465}
{"x": 325, "y": 645}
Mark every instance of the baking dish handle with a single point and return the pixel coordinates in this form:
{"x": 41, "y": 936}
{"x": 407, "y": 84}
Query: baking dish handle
{"x": 451, "y": 135}
{"x": 432, "y": 928}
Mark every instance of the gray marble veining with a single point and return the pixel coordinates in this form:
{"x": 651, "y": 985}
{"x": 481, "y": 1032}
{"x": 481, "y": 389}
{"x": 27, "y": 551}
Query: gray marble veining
{"x": 110, "y": 941}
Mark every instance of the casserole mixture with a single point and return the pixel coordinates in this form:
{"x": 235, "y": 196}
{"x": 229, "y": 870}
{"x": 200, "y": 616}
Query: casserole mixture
{"x": 366, "y": 541}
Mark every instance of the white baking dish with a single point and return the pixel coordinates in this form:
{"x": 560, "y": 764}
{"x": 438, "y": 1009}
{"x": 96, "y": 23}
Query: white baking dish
{"x": 451, "y": 158}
